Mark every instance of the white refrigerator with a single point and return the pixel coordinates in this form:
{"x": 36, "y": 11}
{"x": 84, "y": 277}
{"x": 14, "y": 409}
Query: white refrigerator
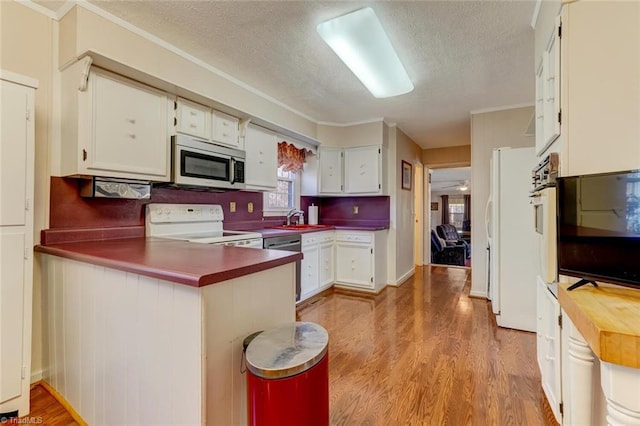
{"x": 511, "y": 239}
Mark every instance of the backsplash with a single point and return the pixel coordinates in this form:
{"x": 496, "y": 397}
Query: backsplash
{"x": 69, "y": 210}
{"x": 341, "y": 211}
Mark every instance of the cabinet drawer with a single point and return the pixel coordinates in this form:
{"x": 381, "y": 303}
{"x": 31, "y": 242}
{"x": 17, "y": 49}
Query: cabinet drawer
{"x": 225, "y": 129}
{"x": 309, "y": 239}
{"x": 325, "y": 237}
{"x": 192, "y": 119}
{"x": 354, "y": 238}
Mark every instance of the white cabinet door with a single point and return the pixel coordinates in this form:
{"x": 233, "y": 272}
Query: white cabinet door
{"x": 354, "y": 264}
{"x": 13, "y": 154}
{"x": 225, "y": 130}
{"x": 331, "y": 170}
{"x": 11, "y": 311}
{"x": 549, "y": 347}
{"x": 309, "y": 271}
{"x": 192, "y": 119}
{"x": 362, "y": 170}
{"x": 127, "y": 129}
{"x": 16, "y": 239}
{"x": 540, "y": 103}
{"x": 326, "y": 266}
{"x": 261, "y": 164}
{"x": 551, "y": 66}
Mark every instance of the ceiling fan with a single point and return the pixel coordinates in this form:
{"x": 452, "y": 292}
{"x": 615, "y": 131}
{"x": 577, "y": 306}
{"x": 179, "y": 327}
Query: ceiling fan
{"x": 462, "y": 185}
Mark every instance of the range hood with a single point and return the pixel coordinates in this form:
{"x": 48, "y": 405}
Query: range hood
{"x": 102, "y": 187}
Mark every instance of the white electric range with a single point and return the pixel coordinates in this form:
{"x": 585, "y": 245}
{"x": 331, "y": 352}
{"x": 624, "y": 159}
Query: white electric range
{"x": 196, "y": 223}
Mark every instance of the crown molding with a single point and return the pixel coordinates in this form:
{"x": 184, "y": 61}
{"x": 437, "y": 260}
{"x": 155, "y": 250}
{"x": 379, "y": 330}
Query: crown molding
{"x": 500, "y": 108}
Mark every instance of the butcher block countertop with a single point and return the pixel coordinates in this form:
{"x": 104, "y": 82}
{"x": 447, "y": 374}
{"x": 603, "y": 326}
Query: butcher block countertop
{"x": 182, "y": 262}
{"x": 608, "y": 317}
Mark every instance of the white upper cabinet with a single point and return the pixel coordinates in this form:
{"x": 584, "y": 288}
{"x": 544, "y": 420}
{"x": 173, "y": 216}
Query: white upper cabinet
{"x": 261, "y": 162}
{"x": 192, "y": 119}
{"x": 355, "y": 170}
{"x": 330, "y": 175}
{"x": 548, "y": 115}
{"x": 225, "y": 130}
{"x": 203, "y": 122}
{"x": 362, "y": 170}
{"x": 113, "y": 126}
{"x": 600, "y": 86}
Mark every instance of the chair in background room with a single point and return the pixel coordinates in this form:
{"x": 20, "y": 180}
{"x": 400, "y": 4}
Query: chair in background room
{"x": 450, "y": 234}
{"x": 446, "y": 254}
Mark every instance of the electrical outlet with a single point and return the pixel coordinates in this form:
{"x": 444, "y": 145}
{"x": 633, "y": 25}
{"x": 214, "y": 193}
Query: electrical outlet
{"x": 232, "y": 206}
{"x": 250, "y": 207}
{"x": 355, "y": 209}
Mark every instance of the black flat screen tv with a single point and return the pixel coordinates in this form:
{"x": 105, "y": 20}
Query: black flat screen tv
{"x": 599, "y": 227}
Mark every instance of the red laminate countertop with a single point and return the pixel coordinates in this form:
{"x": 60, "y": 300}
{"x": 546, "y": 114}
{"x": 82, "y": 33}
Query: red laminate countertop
{"x": 182, "y": 262}
{"x": 277, "y": 232}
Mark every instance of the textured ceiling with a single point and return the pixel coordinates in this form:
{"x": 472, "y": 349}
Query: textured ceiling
{"x": 448, "y": 179}
{"x": 461, "y": 56}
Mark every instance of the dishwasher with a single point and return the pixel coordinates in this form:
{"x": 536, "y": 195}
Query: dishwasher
{"x": 287, "y": 243}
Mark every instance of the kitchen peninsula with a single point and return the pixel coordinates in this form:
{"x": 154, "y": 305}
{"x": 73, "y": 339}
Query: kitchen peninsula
{"x": 147, "y": 330}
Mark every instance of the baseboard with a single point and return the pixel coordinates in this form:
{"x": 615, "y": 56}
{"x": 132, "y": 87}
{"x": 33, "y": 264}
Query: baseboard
{"x": 36, "y": 376}
{"x": 404, "y": 277}
{"x": 478, "y": 294}
{"x": 54, "y": 393}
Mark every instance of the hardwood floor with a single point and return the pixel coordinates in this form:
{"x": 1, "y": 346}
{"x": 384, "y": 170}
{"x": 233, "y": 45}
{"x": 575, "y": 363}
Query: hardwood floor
{"x": 46, "y": 408}
{"x": 427, "y": 354}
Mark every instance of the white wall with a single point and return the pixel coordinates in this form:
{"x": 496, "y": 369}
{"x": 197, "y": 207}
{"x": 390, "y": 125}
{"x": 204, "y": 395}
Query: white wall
{"x": 350, "y": 136}
{"x": 490, "y": 130}
{"x": 402, "y": 225}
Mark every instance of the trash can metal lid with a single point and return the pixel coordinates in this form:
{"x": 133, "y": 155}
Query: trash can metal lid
{"x": 287, "y": 350}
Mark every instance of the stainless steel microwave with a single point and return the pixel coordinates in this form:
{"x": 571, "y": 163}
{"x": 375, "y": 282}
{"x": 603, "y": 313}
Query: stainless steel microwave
{"x": 200, "y": 163}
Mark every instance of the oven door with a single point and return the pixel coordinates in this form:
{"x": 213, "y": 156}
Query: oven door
{"x": 204, "y": 164}
{"x": 544, "y": 205}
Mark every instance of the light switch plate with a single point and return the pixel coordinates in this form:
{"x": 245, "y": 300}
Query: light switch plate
{"x": 250, "y": 207}
{"x": 232, "y": 206}
{"x": 355, "y": 209}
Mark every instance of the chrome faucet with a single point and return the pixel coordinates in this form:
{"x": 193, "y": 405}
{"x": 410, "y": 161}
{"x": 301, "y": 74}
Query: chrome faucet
{"x": 292, "y": 213}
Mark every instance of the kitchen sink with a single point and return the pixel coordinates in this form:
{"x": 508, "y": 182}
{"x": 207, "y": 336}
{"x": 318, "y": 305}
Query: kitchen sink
{"x": 301, "y": 227}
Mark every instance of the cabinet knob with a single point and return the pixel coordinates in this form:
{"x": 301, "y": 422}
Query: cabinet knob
{"x": 550, "y": 99}
{"x": 131, "y": 120}
{"x": 132, "y": 135}
{"x": 225, "y": 135}
{"x": 224, "y": 123}
{"x": 193, "y": 113}
{"x": 260, "y": 162}
{"x": 549, "y": 358}
{"x": 193, "y": 126}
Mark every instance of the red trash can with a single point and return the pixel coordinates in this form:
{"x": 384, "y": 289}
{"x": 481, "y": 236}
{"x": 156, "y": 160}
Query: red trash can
{"x": 288, "y": 376}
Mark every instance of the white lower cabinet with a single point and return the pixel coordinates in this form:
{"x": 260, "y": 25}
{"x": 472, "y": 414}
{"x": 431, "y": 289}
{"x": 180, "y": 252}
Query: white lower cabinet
{"x": 549, "y": 346}
{"x": 326, "y": 264}
{"x": 317, "y": 265}
{"x": 360, "y": 259}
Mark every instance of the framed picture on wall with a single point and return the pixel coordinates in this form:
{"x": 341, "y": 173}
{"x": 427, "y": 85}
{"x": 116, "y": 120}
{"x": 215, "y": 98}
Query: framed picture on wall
{"x": 406, "y": 175}
{"x": 434, "y": 207}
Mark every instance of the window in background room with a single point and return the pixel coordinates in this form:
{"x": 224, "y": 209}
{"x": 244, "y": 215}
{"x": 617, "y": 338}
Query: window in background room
{"x": 283, "y": 198}
{"x": 456, "y": 211}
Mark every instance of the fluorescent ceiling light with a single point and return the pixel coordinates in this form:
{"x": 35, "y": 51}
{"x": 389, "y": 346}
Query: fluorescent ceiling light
{"x": 361, "y": 43}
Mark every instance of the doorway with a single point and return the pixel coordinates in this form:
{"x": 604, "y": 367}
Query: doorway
{"x": 418, "y": 209}
{"x": 450, "y": 216}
